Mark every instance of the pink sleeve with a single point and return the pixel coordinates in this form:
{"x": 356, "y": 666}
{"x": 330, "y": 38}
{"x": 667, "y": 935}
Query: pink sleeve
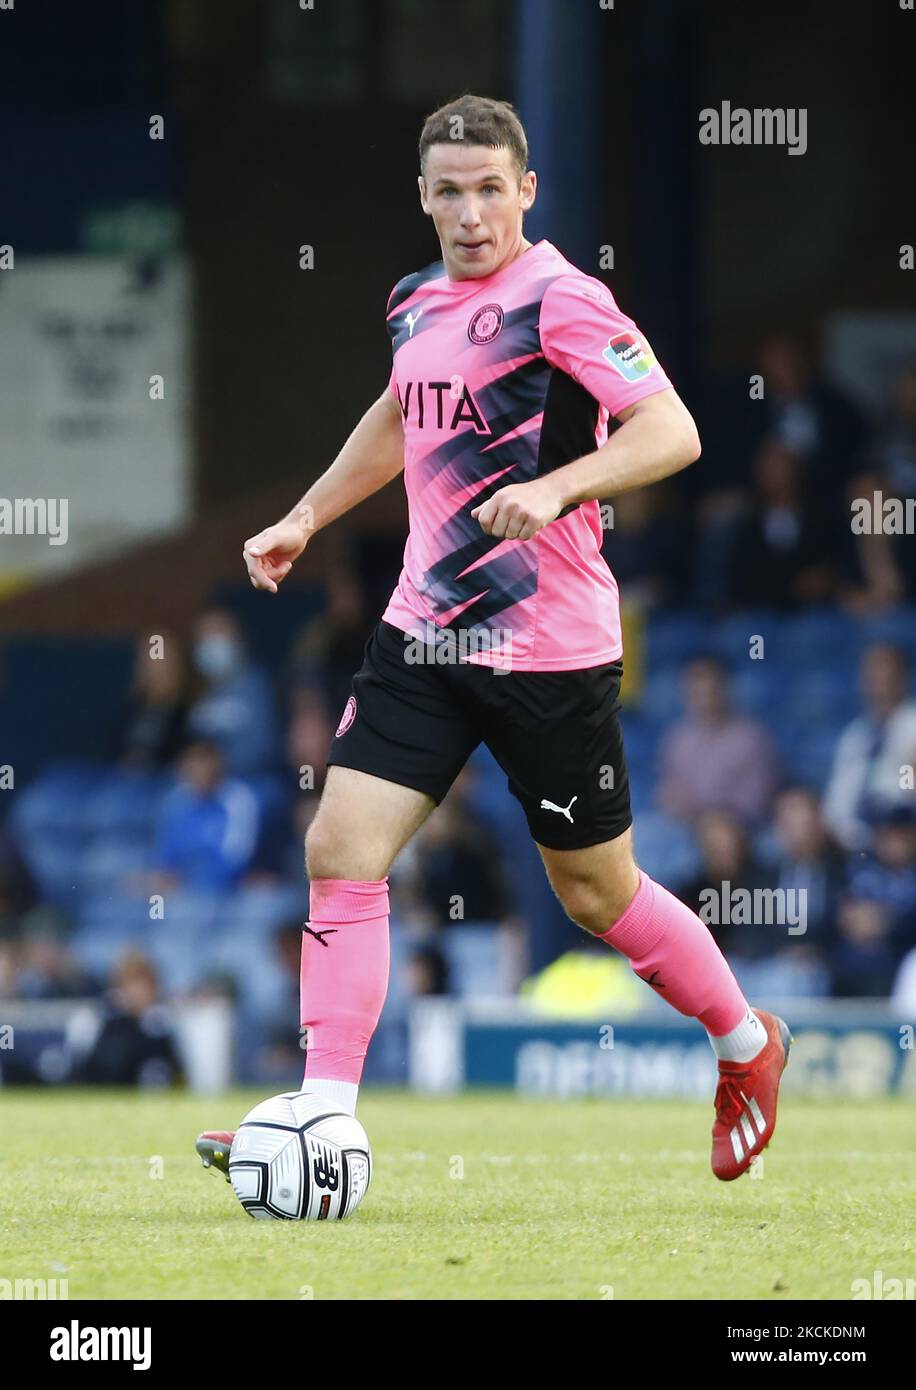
{"x": 584, "y": 334}
{"x": 392, "y": 380}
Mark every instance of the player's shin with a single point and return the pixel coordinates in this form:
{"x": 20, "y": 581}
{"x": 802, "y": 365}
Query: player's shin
{"x": 343, "y": 982}
{"x": 673, "y": 950}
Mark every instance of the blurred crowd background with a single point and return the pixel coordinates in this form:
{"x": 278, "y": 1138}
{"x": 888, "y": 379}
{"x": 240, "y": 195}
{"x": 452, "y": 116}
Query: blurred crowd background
{"x": 166, "y": 728}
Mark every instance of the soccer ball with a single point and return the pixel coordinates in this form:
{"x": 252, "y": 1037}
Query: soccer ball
{"x": 298, "y": 1158}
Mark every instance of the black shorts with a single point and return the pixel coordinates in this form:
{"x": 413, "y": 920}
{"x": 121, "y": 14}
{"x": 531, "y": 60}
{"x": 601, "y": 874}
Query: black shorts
{"x": 555, "y": 734}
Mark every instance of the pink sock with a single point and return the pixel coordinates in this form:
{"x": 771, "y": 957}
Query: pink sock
{"x": 344, "y": 975}
{"x": 674, "y": 951}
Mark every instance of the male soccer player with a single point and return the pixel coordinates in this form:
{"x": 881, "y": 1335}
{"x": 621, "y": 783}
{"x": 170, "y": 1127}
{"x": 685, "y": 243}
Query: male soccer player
{"x": 508, "y": 364}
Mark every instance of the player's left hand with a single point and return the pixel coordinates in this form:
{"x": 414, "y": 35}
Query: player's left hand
{"x": 519, "y": 511}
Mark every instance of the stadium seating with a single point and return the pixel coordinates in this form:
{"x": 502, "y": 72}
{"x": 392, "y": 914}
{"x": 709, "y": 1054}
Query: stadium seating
{"x": 476, "y": 960}
{"x": 85, "y": 827}
{"x": 665, "y": 849}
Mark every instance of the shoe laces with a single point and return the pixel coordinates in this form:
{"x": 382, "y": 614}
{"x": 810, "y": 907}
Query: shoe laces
{"x": 729, "y": 1101}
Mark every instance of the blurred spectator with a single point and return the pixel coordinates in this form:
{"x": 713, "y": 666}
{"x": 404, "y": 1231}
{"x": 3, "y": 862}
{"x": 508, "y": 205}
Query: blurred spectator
{"x": 426, "y": 972}
{"x": 728, "y": 865}
{"x": 309, "y": 734}
{"x": 47, "y": 968}
{"x": 456, "y": 875}
{"x": 208, "y": 827}
{"x": 883, "y": 565}
{"x": 903, "y": 999}
{"x": 377, "y": 557}
{"x": 872, "y": 577}
{"x": 807, "y": 859}
{"x": 331, "y": 646}
{"x": 894, "y": 453}
{"x": 647, "y": 547}
{"x": 282, "y": 1057}
{"x": 237, "y": 712}
{"x": 715, "y": 758}
{"x": 888, "y": 874}
{"x": 782, "y": 552}
{"x": 8, "y": 958}
{"x": 809, "y": 416}
{"x": 716, "y": 491}
{"x": 800, "y": 418}
{"x": 133, "y": 1044}
{"x": 18, "y": 892}
{"x": 873, "y": 749}
{"x": 153, "y": 726}
{"x": 863, "y": 962}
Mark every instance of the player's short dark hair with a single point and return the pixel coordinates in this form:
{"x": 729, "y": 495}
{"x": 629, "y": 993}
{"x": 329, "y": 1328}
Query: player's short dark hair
{"x": 473, "y": 120}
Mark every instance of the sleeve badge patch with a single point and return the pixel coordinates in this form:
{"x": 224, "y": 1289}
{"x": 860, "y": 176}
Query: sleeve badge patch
{"x": 630, "y": 354}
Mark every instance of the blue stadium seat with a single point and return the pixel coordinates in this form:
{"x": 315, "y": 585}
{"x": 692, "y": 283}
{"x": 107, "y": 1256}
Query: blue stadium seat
{"x": 731, "y": 636}
{"x": 765, "y": 845}
{"x": 640, "y": 741}
{"x": 897, "y": 626}
{"x": 105, "y": 863}
{"x": 641, "y": 736}
{"x": 817, "y": 636}
{"x": 107, "y": 924}
{"x": 47, "y": 819}
{"x": 254, "y": 913}
{"x": 673, "y": 638}
{"x": 55, "y": 801}
{"x": 270, "y": 628}
{"x": 61, "y": 698}
{"x": 490, "y": 798}
{"x": 814, "y": 758}
{"x": 254, "y": 968}
{"x": 642, "y": 790}
{"x": 758, "y": 687}
{"x": 665, "y": 849}
{"x": 403, "y": 943}
{"x": 661, "y": 700}
{"x": 819, "y": 696}
{"x": 475, "y": 959}
{"x": 181, "y": 943}
{"x": 56, "y": 868}
{"x": 125, "y": 804}
{"x": 807, "y": 751}
{"x": 107, "y": 911}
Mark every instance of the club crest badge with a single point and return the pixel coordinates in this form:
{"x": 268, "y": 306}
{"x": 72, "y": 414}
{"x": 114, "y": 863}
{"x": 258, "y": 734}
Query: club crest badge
{"x": 347, "y": 717}
{"x": 486, "y": 324}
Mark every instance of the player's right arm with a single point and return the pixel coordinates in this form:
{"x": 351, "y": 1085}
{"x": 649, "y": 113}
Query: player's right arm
{"x": 371, "y": 457}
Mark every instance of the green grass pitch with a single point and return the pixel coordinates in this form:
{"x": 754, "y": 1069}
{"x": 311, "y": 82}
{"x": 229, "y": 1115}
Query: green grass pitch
{"x": 482, "y": 1196}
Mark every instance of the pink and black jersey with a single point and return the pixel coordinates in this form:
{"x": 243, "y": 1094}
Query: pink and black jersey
{"x": 500, "y": 380}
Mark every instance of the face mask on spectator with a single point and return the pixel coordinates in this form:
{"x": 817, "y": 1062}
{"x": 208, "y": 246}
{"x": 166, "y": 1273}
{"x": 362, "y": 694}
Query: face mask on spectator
{"x": 217, "y": 656}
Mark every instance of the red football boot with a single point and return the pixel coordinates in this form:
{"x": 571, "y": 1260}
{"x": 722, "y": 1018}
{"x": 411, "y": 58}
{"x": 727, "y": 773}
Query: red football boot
{"x": 746, "y": 1102}
{"x": 213, "y": 1147}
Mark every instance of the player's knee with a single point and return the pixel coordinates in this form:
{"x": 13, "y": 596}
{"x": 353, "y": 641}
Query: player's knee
{"x": 331, "y": 855}
{"x": 581, "y": 900}
{"x": 322, "y": 855}
{"x": 594, "y": 904}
